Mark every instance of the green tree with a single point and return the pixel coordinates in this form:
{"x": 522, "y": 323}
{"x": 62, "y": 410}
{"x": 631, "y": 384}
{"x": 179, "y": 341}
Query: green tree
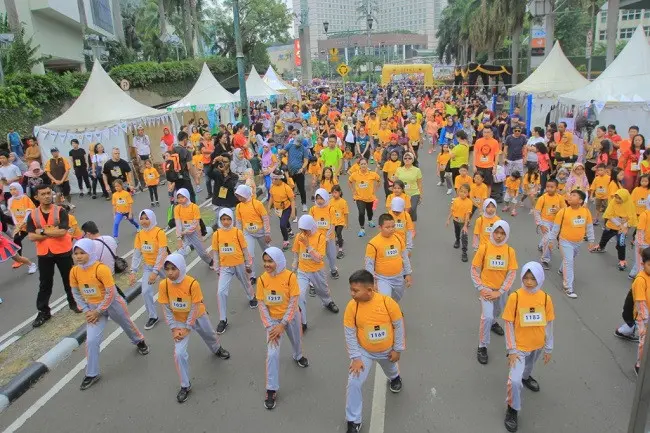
{"x": 453, "y": 30}
{"x": 21, "y": 54}
{"x": 487, "y": 28}
{"x": 600, "y": 49}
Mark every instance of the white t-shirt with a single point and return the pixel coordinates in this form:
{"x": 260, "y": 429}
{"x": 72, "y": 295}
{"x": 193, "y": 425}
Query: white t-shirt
{"x": 532, "y": 153}
{"x": 102, "y": 253}
{"x": 9, "y": 172}
{"x": 142, "y": 145}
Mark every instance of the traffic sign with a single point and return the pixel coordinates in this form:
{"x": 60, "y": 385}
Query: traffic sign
{"x": 343, "y": 69}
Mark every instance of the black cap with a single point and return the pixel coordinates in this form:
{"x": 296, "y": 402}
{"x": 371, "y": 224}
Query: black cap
{"x": 54, "y": 149}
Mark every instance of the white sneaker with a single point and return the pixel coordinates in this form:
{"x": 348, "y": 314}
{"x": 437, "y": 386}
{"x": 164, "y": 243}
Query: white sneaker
{"x": 571, "y": 294}
{"x": 439, "y": 183}
{"x": 208, "y": 233}
{"x": 295, "y": 220}
{"x": 32, "y": 269}
{"x": 304, "y": 208}
{"x": 449, "y": 191}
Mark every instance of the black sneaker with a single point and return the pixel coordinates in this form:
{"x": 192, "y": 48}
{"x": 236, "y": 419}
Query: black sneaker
{"x": 221, "y": 327}
{"x": 302, "y": 362}
{"x": 41, "y": 319}
{"x": 457, "y": 244}
{"x": 395, "y": 385}
{"x": 627, "y": 337}
{"x": 252, "y": 304}
{"x": 253, "y": 281}
{"x": 304, "y": 328}
{"x": 332, "y": 307}
{"x": 222, "y": 353}
{"x": 151, "y": 323}
{"x": 88, "y": 382}
{"x": 546, "y": 266}
{"x": 636, "y": 370}
{"x": 353, "y": 427}
{"x": 340, "y": 254}
{"x": 312, "y": 291}
{"x": 81, "y": 194}
{"x": 511, "y": 420}
{"x": 540, "y": 249}
{"x": 497, "y": 329}
{"x": 335, "y": 274}
{"x": 143, "y": 349}
{"x": 463, "y": 257}
{"x": 269, "y": 401}
{"x": 531, "y": 384}
{"x": 94, "y": 197}
{"x": 482, "y": 355}
{"x": 182, "y": 395}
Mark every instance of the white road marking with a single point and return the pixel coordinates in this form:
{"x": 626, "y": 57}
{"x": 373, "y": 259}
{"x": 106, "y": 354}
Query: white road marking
{"x": 31, "y": 411}
{"x": 9, "y": 342}
{"x": 378, "y": 413}
{"x": 55, "y": 305}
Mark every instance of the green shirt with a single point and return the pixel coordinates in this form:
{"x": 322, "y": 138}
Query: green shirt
{"x": 410, "y": 177}
{"x": 459, "y": 156}
{"x": 331, "y": 157}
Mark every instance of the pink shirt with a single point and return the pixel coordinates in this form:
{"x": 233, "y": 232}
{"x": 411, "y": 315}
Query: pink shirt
{"x": 543, "y": 161}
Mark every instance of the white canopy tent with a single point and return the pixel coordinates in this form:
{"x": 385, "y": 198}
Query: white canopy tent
{"x": 256, "y": 88}
{"x": 275, "y": 82}
{"x": 102, "y": 113}
{"x": 555, "y": 76}
{"x": 621, "y": 94}
{"x": 207, "y": 94}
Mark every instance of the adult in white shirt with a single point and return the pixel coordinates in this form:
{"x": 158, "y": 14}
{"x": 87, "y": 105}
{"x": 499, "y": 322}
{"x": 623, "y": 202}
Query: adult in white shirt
{"x": 9, "y": 174}
{"x": 142, "y": 144}
{"x": 537, "y": 136}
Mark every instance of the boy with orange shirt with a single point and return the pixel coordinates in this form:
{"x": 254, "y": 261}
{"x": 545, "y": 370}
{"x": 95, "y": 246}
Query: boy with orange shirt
{"x": 493, "y": 270}
{"x": 231, "y": 259}
{"x": 529, "y": 316}
{"x": 513, "y": 182}
{"x": 478, "y": 192}
{"x": 151, "y": 179}
{"x": 599, "y": 191}
{"x": 459, "y": 211}
{"x": 182, "y": 301}
{"x": 545, "y": 210}
{"x": 388, "y": 260}
{"x": 374, "y": 331}
{"x": 463, "y": 177}
{"x": 640, "y": 295}
{"x": 122, "y": 203}
{"x": 341, "y": 213}
{"x": 278, "y": 295}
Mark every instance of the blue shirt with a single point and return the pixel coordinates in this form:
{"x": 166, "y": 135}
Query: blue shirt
{"x": 295, "y": 156}
{"x": 14, "y": 139}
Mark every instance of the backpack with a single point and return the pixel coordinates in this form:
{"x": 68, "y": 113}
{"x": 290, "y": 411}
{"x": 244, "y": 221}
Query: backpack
{"x": 171, "y": 221}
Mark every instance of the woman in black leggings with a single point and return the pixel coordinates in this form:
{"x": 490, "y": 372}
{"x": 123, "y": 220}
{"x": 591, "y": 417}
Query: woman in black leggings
{"x": 364, "y": 183}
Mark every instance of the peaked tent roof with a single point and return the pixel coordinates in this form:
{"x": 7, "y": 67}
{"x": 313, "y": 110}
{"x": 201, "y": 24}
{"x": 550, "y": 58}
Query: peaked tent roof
{"x": 555, "y": 76}
{"x": 206, "y": 91}
{"x": 273, "y": 80}
{"x": 256, "y": 88}
{"x": 624, "y": 82}
{"x": 101, "y": 104}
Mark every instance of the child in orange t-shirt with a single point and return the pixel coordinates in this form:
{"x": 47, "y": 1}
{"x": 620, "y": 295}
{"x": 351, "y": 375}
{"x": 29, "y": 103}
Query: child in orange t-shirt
{"x": 151, "y": 179}
{"x": 442, "y": 160}
{"x": 460, "y": 210}
{"x": 512, "y": 190}
{"x": 122, "y": 207}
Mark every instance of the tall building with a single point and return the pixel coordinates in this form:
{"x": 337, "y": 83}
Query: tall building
{"x": 55, "y": 26}
{"x": 628, "y": 21}
{"x": 417, "y": 16}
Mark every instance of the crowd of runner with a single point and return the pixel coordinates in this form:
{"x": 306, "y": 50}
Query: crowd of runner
{"x": 381, "y": 141}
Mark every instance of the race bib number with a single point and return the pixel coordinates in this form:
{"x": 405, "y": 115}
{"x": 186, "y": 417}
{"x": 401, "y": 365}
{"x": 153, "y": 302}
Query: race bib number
{"x": 391, "y": 251}
{"x": 600, "y": 190}
{"x": 272, "y": 297}
{"x": 399, "y": 225}
{"x": 362, "y": 185}
{"x": 337, "y": 214}
{"x": 551, "y": 210}
{"x": 489, "y": 229}
{"x": 20, "y": 213}
{"x": 579, "y": 222}
{"x": 187, "y": 225}
{"x": 305, "y": 256}
{"x": 90, "y": 291}
{"x": 223, "y": 192}
{"x": 121, "y": 201}
{"x": 322, "y": 224}
{"x": 377, "y": 333}
{"x": 77, "y": 163}
{"x": 496, "y": 262}
{"x": 181, "y": 305}
{"x": 150, "y": 176}
{"x": 640, "y": 202}
{"x": 252, "y": 228}
{"x": 449, "y": 136}
{"x": 531, "y": 317}
{"x": 634, "y": 167}
{"x": 484, "y": 158}
{"x": 227, "y": 249}
{"x": 147, "y": 248}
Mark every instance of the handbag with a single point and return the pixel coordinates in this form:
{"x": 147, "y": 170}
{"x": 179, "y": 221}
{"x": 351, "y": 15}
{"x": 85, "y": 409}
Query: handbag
{"x": 121, "y": 265}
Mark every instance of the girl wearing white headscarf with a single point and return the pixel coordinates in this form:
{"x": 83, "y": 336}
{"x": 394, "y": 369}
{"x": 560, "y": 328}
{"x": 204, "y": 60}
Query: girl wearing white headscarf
{"x": 94, "y": 290}
{"x": 324, "y": 215}
{"x": 404, "y": 227}
{"x": 19, "y": 206}
{"x": 182, "y": 302}
{"x": 149, "y": 249}
{"x": 528, "y": 317}
{"x": 493, "y": 271}
{"x": 253, "y": 219}
{"x": 188, "y": 220}
{"x": 231, "y": 259}
{"x": 309, "y": 251}
{"x": 485, "y": 221}
{"x": 278, "y": 295}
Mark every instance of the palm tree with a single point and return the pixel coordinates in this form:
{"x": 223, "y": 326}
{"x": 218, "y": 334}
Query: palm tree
{"x": 515, "y": 11}
{"x": 162, "y": 19}
{"x": 487, "y": 29}
{"x": 12, "y": 15}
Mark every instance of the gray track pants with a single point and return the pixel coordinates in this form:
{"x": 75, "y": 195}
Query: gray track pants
{"x": 294, "y": 333}
{"x": 490, "y": 310}
{"x": 148, "y": 289}
{"x": 319, "y": 281}
{"x": 251, "y": 240}
{"x": 226, "y": 274}
{"x": 521, "y": 370}
{"x": 204, "y": 328}
{"x": 391, "y": 286}
{"x": 193, "y": 239}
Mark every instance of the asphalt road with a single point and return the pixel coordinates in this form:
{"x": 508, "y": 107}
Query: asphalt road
{"x": 588, "y": 386}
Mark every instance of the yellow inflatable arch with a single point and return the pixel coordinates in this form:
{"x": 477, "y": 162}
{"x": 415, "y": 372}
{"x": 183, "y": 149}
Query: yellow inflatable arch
{"x": 389, "y": 70}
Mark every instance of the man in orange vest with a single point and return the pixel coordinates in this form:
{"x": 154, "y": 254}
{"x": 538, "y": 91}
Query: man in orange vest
{"x": 47, "y": 227}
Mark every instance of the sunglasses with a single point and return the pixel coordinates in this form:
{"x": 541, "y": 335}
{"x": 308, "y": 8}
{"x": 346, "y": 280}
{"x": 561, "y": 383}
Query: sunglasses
{"x": 408, "y": 157}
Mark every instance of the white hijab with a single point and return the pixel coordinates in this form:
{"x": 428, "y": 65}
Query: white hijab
{"x": 179, "y": 261}
{"x": 88, "y": 247}
{"x": 537, "y": 271}
{"x": 277, "y": 256}
{"x": 506, "y": 228}
{"x": 151, "y": 216}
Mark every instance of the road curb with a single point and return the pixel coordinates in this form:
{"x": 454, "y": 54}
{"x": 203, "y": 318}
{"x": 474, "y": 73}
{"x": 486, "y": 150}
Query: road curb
{"x": 31, "y": 374}
{"x": 24, "y": 380}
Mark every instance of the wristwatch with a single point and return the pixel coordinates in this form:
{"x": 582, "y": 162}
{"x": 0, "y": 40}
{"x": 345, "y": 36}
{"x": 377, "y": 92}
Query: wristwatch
{"x": 41, "y": 232}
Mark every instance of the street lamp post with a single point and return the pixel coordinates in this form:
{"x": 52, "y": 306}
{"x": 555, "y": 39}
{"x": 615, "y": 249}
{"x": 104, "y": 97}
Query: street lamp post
{"x": 369, "y": 30}
{"x": 326, "y": 27}
{"x": 243, "y": 97}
